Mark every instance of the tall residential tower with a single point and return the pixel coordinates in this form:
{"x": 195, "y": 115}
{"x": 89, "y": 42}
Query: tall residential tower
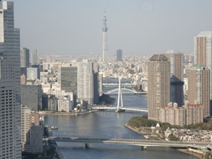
{"x": 176, "y": 77}
{"x": 203, "y": 53}
{"x": 158, "y": 84}
{"x": 10, "y": 107}
{"x": 104, "y": 40}
{"x": 198, "y": 87}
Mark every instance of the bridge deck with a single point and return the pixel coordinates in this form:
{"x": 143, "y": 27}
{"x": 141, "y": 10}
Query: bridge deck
{"x": 135, "y": 142}
{"x": 122, "y": 108}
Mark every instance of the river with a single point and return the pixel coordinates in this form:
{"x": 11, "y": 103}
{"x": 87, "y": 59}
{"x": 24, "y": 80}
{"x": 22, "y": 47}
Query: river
{"x": 106, "y": 124}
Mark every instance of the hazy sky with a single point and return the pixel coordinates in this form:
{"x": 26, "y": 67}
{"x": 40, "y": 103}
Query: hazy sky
{"x": 138, "y": 27}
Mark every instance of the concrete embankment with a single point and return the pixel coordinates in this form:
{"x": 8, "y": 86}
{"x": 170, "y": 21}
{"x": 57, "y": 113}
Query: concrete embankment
{"x": 134, "y": 129}
{"x": 198, "y": 154}
{"x": 145, "y": 131}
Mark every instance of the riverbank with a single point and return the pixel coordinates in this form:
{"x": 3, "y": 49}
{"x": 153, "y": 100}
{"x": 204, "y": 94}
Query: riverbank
{"x": 66, "y": 113}
{"x": 196, "y": 154}
{"x": 146, "y": 133}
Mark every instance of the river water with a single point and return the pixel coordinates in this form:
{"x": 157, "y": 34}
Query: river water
{"x": 106, "y": 124}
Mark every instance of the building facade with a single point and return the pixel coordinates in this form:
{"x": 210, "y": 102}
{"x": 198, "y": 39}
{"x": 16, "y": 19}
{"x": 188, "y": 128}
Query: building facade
{"x": 119, "y": 55}
{"x": 25, "y": 57}
{"x": 172, "y": 114}
{"x": 68, "y": 79}
{"x": 52, "y": 102}
{"x": 10, "y": 108}
{"x": 34, "y": 60}
{"x": 199, "y": 87}
{"x": 158, "y": 84}
{"x": 203, "y": 54}
{"x": 32, "y": 132}
{"x": 184, "y": 115}
{"x": 85, "y": 82}
{"x": 176, "y": 77}
{"x": 194, "y": 113}
{"x": 65, "y": 104}
{"x": 33, "y": 74}
{"x": 31, "y": 95}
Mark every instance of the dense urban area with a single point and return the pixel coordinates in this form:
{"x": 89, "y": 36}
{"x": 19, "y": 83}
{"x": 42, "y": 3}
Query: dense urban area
{"x": 32, "y": 86}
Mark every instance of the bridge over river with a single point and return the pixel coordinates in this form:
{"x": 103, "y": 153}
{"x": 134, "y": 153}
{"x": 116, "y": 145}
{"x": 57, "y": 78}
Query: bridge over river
{"x": 120, "y": 109}
{"x": 124, "y": 91}
{"x": 143, "y": 143}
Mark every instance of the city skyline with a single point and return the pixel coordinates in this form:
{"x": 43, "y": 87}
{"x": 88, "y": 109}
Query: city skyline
{"x": 138, "y": 27}
{"x": 33, "y": 90}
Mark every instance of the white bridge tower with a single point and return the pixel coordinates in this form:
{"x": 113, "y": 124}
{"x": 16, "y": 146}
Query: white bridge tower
{"x": 120, "y": 99}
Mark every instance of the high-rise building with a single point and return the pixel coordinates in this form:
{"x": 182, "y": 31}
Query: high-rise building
{"x": 24, "y": 57}
{"x": 32, "y": 132}
{"x": 68, "y": 79}
{"x": 34, "y": 58}
{"x": 176, "y": 77}
{"x": 31, "y": 96}
{"x": 119, "y": 55}
{"x": 10, "y": 108}
{"x": 198, "y": 87}
{"x": 158, "y": 84}
{"x": 96, "y": 83}
{"x": 104, "y": 40}
{"x": 87, "y": 83}
{"x": 203, "y": 54}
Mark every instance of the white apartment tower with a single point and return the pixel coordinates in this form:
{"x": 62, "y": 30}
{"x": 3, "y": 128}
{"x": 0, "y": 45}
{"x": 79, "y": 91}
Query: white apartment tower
{"x": 85, "y": 82}
{"x": 10, "y": 108}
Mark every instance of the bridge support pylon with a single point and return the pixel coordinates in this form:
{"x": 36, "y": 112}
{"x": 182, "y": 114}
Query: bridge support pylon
{"x": 143, "y": 147}
{"x": 86, "y": 146}
{"x": 120, "y": 98}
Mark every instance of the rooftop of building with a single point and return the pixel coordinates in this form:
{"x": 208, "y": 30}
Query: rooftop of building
{"x": 158, "y": 57}
{"x": 173, "y": 52}
{"x": 198, "y": 67}
{"x": 205, "y": 34}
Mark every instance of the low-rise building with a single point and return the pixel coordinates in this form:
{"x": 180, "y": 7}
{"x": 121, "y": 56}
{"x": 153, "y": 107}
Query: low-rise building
{"x": 186, "y": 115}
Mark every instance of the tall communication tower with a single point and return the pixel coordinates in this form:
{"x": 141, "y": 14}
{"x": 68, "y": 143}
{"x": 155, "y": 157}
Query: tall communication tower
{"x": 104, "y": 41}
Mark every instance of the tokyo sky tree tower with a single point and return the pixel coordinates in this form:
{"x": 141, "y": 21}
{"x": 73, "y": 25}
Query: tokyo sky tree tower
{"x": 104, "y": 41}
